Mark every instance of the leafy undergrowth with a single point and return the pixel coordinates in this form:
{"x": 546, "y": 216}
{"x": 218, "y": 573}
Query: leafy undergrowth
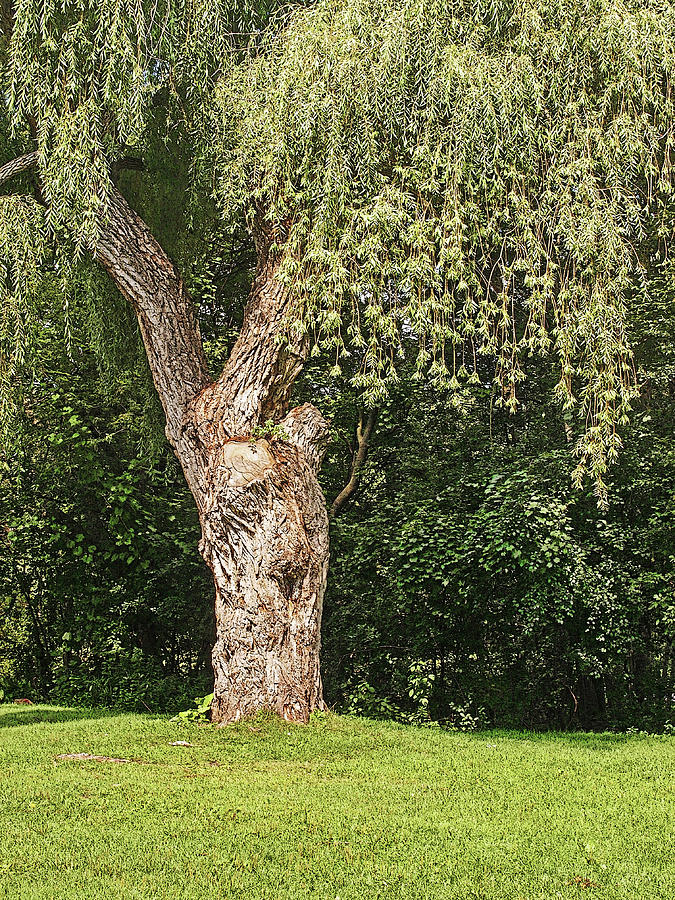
{"x": 344, "y": 807}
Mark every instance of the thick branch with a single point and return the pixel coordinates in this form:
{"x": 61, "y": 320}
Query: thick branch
{"x": 257, "y": 379}
{"x": 364, "y": 431}
{"x": 263, "y": 364}
{"x": 17, "y": 166}
{"x": 146, "y": 276}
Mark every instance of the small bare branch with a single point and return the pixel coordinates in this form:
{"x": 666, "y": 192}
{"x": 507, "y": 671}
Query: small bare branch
{"x": 364, "y": 433}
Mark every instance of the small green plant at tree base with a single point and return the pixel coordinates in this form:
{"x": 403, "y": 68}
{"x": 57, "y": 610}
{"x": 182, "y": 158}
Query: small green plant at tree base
{"x": 201, "y": 712}
{"x": 363, "y": 700}
{"x": 270, "y": 431}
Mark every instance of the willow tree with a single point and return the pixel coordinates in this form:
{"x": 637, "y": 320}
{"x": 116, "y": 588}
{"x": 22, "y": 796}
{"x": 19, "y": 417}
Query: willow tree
{"x": 481, "y": 180}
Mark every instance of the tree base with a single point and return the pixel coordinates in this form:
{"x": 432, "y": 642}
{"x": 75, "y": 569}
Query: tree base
{"x": 265, "y": 538}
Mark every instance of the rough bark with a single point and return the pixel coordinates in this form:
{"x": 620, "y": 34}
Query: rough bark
{"x": 265, "y": 537}
{"x": 264, "y": 520}
{"x": 18, "y": 165}
{"x": 263, "y": 516}
{"x": 148, "y": 279}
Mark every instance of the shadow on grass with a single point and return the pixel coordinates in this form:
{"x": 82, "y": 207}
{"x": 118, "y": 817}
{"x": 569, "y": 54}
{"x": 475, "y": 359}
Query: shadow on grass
{"x": 591, "y": 740}
{"x": 11, "y": 715}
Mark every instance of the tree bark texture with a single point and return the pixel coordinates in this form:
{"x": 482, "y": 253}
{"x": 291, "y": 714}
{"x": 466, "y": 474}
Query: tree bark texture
{"x": 265, "y": 538}
{"x": 263, "y": 516}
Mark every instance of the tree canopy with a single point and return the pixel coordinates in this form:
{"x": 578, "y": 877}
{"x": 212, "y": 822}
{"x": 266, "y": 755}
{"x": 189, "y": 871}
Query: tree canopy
{"x": 483, "y": 179}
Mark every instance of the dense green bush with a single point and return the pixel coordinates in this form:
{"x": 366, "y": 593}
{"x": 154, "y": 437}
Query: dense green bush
{"x": 472, "y": 584}
{"x": 103, "y": 599}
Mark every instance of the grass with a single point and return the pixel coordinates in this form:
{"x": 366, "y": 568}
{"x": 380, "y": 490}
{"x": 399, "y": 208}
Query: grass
{"x": 342, "y": 808}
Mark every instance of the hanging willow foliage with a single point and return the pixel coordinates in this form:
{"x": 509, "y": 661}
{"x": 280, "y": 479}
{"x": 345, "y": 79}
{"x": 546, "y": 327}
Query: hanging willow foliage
{"x": 22, "y": 253}
{"x": 484, "y": 178}
{"x": 491, "y": 178}
{"x": 79, "y": 81}
{"x": 84, "y": 73}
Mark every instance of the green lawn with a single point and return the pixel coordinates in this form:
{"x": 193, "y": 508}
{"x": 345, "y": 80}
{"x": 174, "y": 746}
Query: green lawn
{"x": 342, "y": 808}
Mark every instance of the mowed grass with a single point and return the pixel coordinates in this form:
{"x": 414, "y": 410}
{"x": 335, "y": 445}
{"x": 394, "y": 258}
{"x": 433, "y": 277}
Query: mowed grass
{"x": 342, "y": 808}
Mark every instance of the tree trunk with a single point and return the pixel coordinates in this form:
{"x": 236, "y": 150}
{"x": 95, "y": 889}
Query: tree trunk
{"x": 262, "y": 512}
{"x": 265, "y": 538}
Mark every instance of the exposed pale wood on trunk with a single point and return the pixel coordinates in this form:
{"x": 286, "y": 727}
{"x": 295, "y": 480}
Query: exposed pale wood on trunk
{"x": 262, "y": 512}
